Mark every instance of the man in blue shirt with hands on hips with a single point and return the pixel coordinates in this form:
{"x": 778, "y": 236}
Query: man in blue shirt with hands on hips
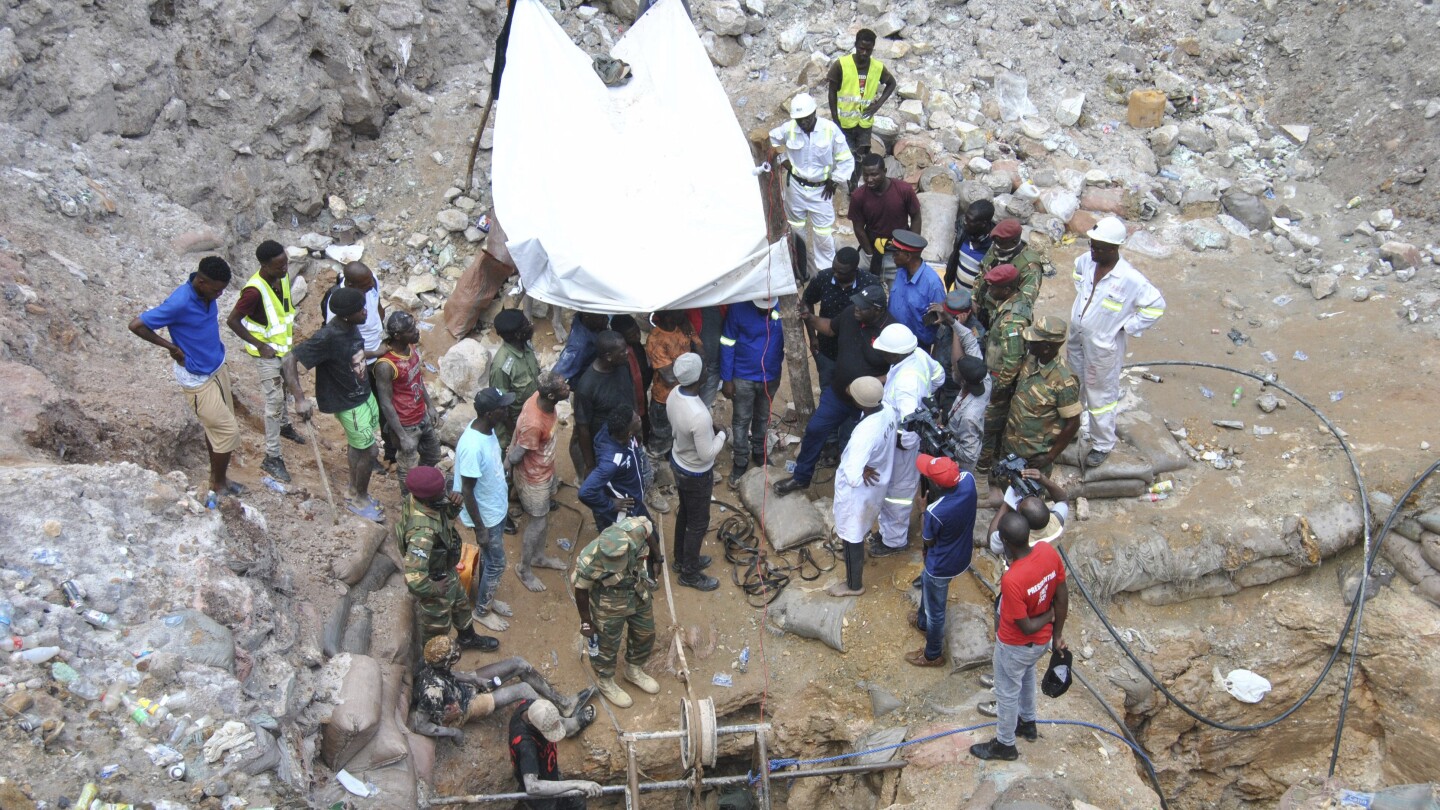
{"x": 948, "y": 529}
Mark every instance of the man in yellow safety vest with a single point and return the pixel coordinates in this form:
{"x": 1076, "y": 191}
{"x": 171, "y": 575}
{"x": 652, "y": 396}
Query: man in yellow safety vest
{"x": 264, "y": 318}
{"x": 859, "y": 87}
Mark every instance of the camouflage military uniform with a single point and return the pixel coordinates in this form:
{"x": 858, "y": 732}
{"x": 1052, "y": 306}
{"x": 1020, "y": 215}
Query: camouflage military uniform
{"x": 1032, "y": 270}
{"x": 432, "y": 550}
{"x": 513, "y": 371}
{"x": 613, "y": 568}
{"x": 1004, "y": 355}
{"x": 1045, "y": 396}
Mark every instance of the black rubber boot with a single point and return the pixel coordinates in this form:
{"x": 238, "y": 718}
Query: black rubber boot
{"x": 471, "y": 640}
{"x": 855, "y": 565}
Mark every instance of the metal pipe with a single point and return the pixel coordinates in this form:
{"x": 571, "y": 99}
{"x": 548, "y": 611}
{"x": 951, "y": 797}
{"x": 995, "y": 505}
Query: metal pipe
{"x": 761, "y": 751}
{"x": 674, "y": 784}
{"x": 746, "y": 728}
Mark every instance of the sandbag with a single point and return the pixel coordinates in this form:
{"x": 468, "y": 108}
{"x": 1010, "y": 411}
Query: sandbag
{"x": 392, "y": 638}
{"x": 191, "y": 635}
{"x": 1124, "y": 462}
{"x": 1404, "y": 554}
{"x": 812, "y": 615}
{"x": 396, "y": 785}
{"x": 1430, "y": 549}
{"x": 1409, "y": 528}
{"x": 357, "y": 632}
{"x": 1429, "y": 588}
{"x": 1152, "y": 441}
{"x": 364, "y": 538}
{"x": 389, "y": 744}
{"x": 1430, "y": 521}
{"x": 969, "y": 636}
{"x": 332, "y": 635}
{"x": 1118, "y": 488}
{"x": 422, "y": 755}
{"x": 356, "y": 718}
{"x": 938, "y": 212}
{"x": 880, "y": 738}
{"x": 788, "y": 521}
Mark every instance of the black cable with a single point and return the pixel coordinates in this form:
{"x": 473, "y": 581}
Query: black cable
{"x": 1124, "y": 729}
{"x": 1350, "y": 618}
{"x": 1359, "y": 609}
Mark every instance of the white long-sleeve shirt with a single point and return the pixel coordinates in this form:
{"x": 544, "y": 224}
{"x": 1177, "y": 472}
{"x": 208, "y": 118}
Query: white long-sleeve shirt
{"x": 696, "y": 443}
{"x": 870, "y": 445}
{"x": 909, "y": 382}
{"x": 1124, "y": 299}
{"x": 822, "y": 155}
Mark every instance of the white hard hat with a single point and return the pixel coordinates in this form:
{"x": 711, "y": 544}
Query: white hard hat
{"x": 802, "y": 105}
{"x": 1109, "y": 230}
{"x": 896, "y": 339}
{"x": 766, "y": 303}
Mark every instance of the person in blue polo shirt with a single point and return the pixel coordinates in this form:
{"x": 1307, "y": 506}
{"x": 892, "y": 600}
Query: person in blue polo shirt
{"x": 192, "y": 319}
{"x": 752, "y": 349}
{"x": 917, "y": 286}
{"x": 949, "y": 532}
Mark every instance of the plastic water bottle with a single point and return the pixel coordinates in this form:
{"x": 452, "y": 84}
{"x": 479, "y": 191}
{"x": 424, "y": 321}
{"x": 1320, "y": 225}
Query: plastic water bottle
{"x": 1235, "y": 398}
{"x": 1154, "y": 497}
{"x": 593, "y": 645}
{"x": 11, "y": 643}
{"x": 7, "y": 614}
{"x": 745, "y": 660}
{"x": 38, "y": 655}
{"x": 104, "y": 621}
{"x": 273, "y": 485}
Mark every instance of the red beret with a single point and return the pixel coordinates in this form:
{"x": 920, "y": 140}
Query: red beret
{"x": 1007, "y": 229}
{"x": 1002, "y": 274}
{"x": 425, "y": 483}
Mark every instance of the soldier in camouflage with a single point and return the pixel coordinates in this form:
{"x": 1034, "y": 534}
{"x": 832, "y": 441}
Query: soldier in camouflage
{"x": 614, "y": 577}
{"x": 1008, "y": 248}
{"x": 1004, "y": 354}
{"x": 1045, "y": 411}
{"x": 431, "y": 549}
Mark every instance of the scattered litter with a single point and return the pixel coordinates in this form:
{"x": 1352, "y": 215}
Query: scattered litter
{"x": 1268, "y": 356}
{"x": 1336, "y": 396}
{"x": 1152, "y": 377}
{"x": 722, "y": 679}
{"x": 1229, "y": 424}
{"x": 1301, "y": 356}
{"x": 1236, "y": 395}
{"x": 273, "y": 485}
{"x": 1262, "y": 430}
{"x": 1237, "y": 337}
{"x": 1243, "y": 685}
{"x": 565, "y": 543}
{"x": 348, "y": 781}
{"x": 1206, "y": 392}
{"x": 1281, "y": 300}
{"x": 45, "y": 556}
{"x": 109, "y": 771}
{"x": 1326, "y": 315}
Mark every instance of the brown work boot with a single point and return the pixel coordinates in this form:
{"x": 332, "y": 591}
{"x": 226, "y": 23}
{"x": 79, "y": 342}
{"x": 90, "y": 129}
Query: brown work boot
{"x": 614, "y": 693}
{"x": 917, "y": 658}
{"x": 637, "y": 676}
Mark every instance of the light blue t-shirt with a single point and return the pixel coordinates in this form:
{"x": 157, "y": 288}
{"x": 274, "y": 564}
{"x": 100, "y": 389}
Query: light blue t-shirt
{"x": 477, "y": 455}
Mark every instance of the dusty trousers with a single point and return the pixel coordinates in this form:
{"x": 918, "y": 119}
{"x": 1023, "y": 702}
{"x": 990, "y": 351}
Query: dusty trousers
{"x": 1096, "y": 360}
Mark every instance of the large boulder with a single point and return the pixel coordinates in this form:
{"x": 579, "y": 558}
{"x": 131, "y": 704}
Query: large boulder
{"x": 1248, "y": 208}
{"x": 465, "y": 369}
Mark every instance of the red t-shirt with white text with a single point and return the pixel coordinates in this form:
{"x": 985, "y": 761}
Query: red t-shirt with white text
{"x": 1028, "y": 589}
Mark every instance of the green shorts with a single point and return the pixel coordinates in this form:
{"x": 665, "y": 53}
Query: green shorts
{"x": 360, "y": 423}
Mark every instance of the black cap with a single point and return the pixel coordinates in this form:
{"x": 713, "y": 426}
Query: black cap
{"x": 973, "y": 372}
{"x": 872, "y": 296}
{"x": 488, "y": 399}
{"x": 908, "y": 241}
{"x": 509, "y": 321}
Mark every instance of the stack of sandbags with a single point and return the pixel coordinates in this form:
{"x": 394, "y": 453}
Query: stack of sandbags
{"x": 1145, "y": 450}
{"x": 1412, "y": 546}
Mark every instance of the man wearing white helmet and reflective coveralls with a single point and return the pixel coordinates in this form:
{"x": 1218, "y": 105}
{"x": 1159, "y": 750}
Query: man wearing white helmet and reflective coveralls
{"x": 815, "y": 153}
{"x": 1112, "y": 301}
{"x": 909, "y": 382}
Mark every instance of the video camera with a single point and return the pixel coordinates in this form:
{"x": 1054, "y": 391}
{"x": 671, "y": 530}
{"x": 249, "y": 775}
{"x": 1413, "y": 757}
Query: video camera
{"x": 1011, "y": 467}
{"x": 928, "y": 421}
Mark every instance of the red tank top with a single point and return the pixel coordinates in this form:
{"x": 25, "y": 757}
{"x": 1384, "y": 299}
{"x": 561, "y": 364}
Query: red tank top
{"x": 408, "y": 387}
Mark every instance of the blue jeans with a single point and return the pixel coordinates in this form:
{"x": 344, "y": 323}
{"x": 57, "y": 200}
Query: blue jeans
{"x": 829, "y": 415}
{"x": 492, "y": 558}
{"x": 1015, "y": 686}
{"x": 824, "y": 370}
{"x": 934, "y": 591}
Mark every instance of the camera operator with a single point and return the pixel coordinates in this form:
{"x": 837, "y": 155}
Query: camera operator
{"x": 1047, "y": 521}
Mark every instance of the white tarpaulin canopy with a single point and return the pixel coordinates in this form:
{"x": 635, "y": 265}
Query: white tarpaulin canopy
{"x": 628, "y": 199}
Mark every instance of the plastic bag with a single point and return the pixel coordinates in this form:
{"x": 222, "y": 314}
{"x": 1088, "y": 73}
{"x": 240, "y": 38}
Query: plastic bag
{"x": 1011, "y": 91}
{"x": 1246, "y": 686}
